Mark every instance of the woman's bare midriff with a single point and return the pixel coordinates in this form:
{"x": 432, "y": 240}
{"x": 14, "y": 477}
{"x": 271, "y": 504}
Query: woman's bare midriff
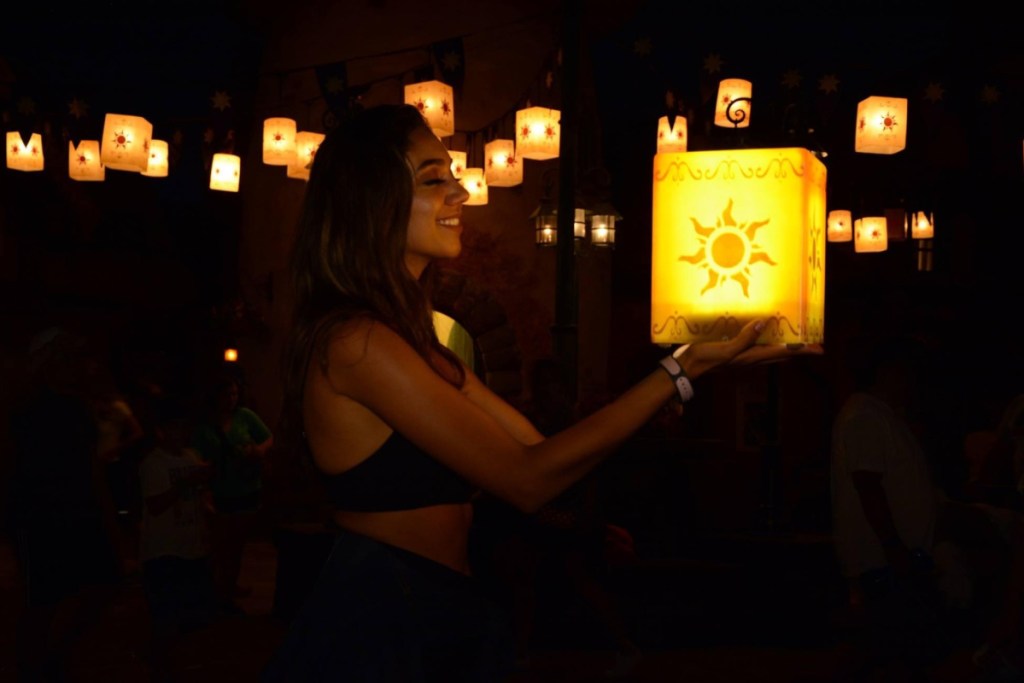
{"x": 439, "y": 532}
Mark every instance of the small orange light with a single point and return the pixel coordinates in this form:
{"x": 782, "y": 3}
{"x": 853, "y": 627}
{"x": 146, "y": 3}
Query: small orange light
{"x": 231, "y": 355}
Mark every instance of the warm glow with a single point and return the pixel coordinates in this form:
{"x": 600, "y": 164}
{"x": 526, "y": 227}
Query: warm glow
{"x": 503, "y": 169}
{"x": 738, "y": 235}
{"x": 881, "y": 125}
{"x": 84, "y": 161}
{"x": 602, "y": 229}
{"x": 840, "y": 225}
{"x": 225, "y": 172}
{"x": 125, "y": 142}
{"x": 306, "y": 145}
{"x": 870, "y": 233}
{"x": 538, "y": 133}
{"x": 279, "y": 141}
{"x": 22, "y": 157}
{"x": 672, "y": 138}
{"x": 923, "y": 226}
{"x": 157, "y": 167}
{"x": 458, "y": 163}
{"x": 475, "y": 183}
{"x": 436, "y": 102}
{"x": 231, "y": 355}
{"x": 728, "y": 112}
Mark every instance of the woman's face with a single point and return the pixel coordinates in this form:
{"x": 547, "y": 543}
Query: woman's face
{"x": 435, "y": 224}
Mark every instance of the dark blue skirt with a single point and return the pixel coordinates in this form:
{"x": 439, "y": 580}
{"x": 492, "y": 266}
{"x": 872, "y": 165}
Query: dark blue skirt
{"x": 379, "y": 613}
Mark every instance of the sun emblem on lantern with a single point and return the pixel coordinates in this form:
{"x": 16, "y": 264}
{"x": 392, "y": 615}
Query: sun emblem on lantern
{"x": 888, "y": 121}
{"x": 121, "y": 140}
{"x": 421, "y": 105}
{"x": 549, "y": 131}
{"x": 82, "y": 160}
{"x": 446, "y": 108}
{"x": 510, "y": 162}
{"x": 727, "y": 250}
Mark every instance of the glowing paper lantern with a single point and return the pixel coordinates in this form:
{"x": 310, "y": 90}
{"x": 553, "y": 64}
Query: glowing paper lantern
{"x": 157, "y": 167}
{"x": 538, "y": 133}
{"x": 881, "y": 125}
{"x": 923, "y": 226}
{"x": 476, "y": 184}
{"x": 125, "y": 142}
{"x": 435, "y": 101}
{"x": 840, "y": 226}
{"x": 458, "y": 163}
{"x": 738, "y": 235}
{"x": 503, "y": 169}
{"x": 225, "y": 172}
{"x": 870, "y": 234}
{"x": 22, "y": 157}
{"x": 732, "y": 109}
{"x": 84, "y": 161}
{"x": 306, "y": 145}
{"x": 672, "y": 138}
{"x": 279, "y": 141}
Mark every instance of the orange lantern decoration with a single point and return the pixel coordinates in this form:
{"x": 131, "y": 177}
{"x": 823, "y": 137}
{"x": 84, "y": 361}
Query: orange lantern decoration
{"x": 436, "y": 102}
{"x": 672, "y": 138}
{"x": 476, "y": 184}
{"x": 125, "y": 142}
{"x": 881, "y": 125}
{"x": 22, "y": 157}
{"x": 458, "y": 163}
{"x": 279, "y": 141}
{"x": 503, "y": 169}
{"x": 870, "y": 234}
{"x": 538, "y": 133}
{"x": 225, "y": 172}
{"x": 84, "y": 161}
{"x": 306, "y": 145}
{"x": 840, "y": 226}
{"x": 738, "y": 235}
{"x": 732, "y": 109}
{"x": 923, "y": 226}
{"x": 158, "y": 160}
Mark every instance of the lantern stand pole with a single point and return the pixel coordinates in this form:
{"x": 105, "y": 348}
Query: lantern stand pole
{"x": 564, "y": 331}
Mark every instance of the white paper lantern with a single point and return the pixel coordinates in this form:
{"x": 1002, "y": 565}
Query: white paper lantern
{"x": 24, "y": 157}
{"x": 476, "y": 184}
{"x": 923, "y": 226}
{"x": 840, "y": 226}
{"x": 84, "y": 161}
{"x": 158, "y": 159}
{"x": 458, "y": 163}
{"x": 502, "y": 168}
{"x": 881, "y": 125}
{"x": 436, "y": 102}
{"x": 279, "y": 141}
{"x": 306, "y": 145}
{"x": 672, "y": 138}
{"x": 870, "y": 234}
{"x": 225, "y": 172}
{"x": 732, "y": 109}
{"x": 538, "y": 133}
{"x": 125, "y": 142}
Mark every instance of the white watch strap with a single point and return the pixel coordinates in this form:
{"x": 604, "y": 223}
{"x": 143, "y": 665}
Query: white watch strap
{"x": 678, "y": 375}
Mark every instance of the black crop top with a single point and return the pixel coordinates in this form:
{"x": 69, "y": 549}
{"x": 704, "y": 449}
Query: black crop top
{"x": 398, "y": 476}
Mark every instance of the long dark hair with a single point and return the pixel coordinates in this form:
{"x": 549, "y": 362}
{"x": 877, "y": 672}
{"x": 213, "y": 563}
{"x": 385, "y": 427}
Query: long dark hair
{"x": 348, "y": 256}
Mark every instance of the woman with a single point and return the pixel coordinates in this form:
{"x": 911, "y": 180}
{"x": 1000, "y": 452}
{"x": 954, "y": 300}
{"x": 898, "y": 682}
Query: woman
{"x": 402, "y": 432}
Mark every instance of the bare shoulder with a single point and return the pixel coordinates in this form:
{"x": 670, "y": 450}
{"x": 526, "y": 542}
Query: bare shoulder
{"x": 363, "y": 346}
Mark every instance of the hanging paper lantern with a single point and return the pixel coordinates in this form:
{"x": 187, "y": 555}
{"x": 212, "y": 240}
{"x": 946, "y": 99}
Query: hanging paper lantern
{"x": 306, "y": 145}
{"x": 729, "y": 247}
{"x": 458, "y": 163}
{"x": 923, "y": 226}
{"x": 881, "y": 125}
{"x": 503, "y": 169}
{"x": 732, "y": 109}
{"x": 22, "y": 157}
{"x": 279, "y": 141}
{"x": 125, "y": 142}
{"x": 476, "y": 184}
{"x": 225, "y": 172}
{"x": 538, "y": 133}
{"x": 435, "y": 101}
{"x": 84, "y": 161}
{"x": 870, "y": 234}
{"x": 157, "y": 167}
{"x": 672, "y": 138}
{"x": 840, "y": 225}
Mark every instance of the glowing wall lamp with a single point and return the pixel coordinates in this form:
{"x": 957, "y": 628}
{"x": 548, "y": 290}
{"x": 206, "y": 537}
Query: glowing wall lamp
{"x": 840, "y": 225}
{"x": 157, "y": 167}
{"x": 502, "y": 168}
{"x": 738, "y": 235}
{"x": 84, "y": 161}
{"x": 672, "y": 138}
{"x": 225, "y": 172}
{"x": 870, "y": 234}
{"x": 475, "y": 183}
{"x": 881, "y": 125}
{"x": 538, "y": 133}
{"x": 436, "y": 102}
{"x": 125, "y": 142}
{"x": 732, "y": 109}
{"x": 279, "y": 141}
{"x": 306, "y": 145}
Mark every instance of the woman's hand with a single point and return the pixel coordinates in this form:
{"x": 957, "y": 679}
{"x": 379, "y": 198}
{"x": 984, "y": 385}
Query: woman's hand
{"x": 741, "y": 350}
